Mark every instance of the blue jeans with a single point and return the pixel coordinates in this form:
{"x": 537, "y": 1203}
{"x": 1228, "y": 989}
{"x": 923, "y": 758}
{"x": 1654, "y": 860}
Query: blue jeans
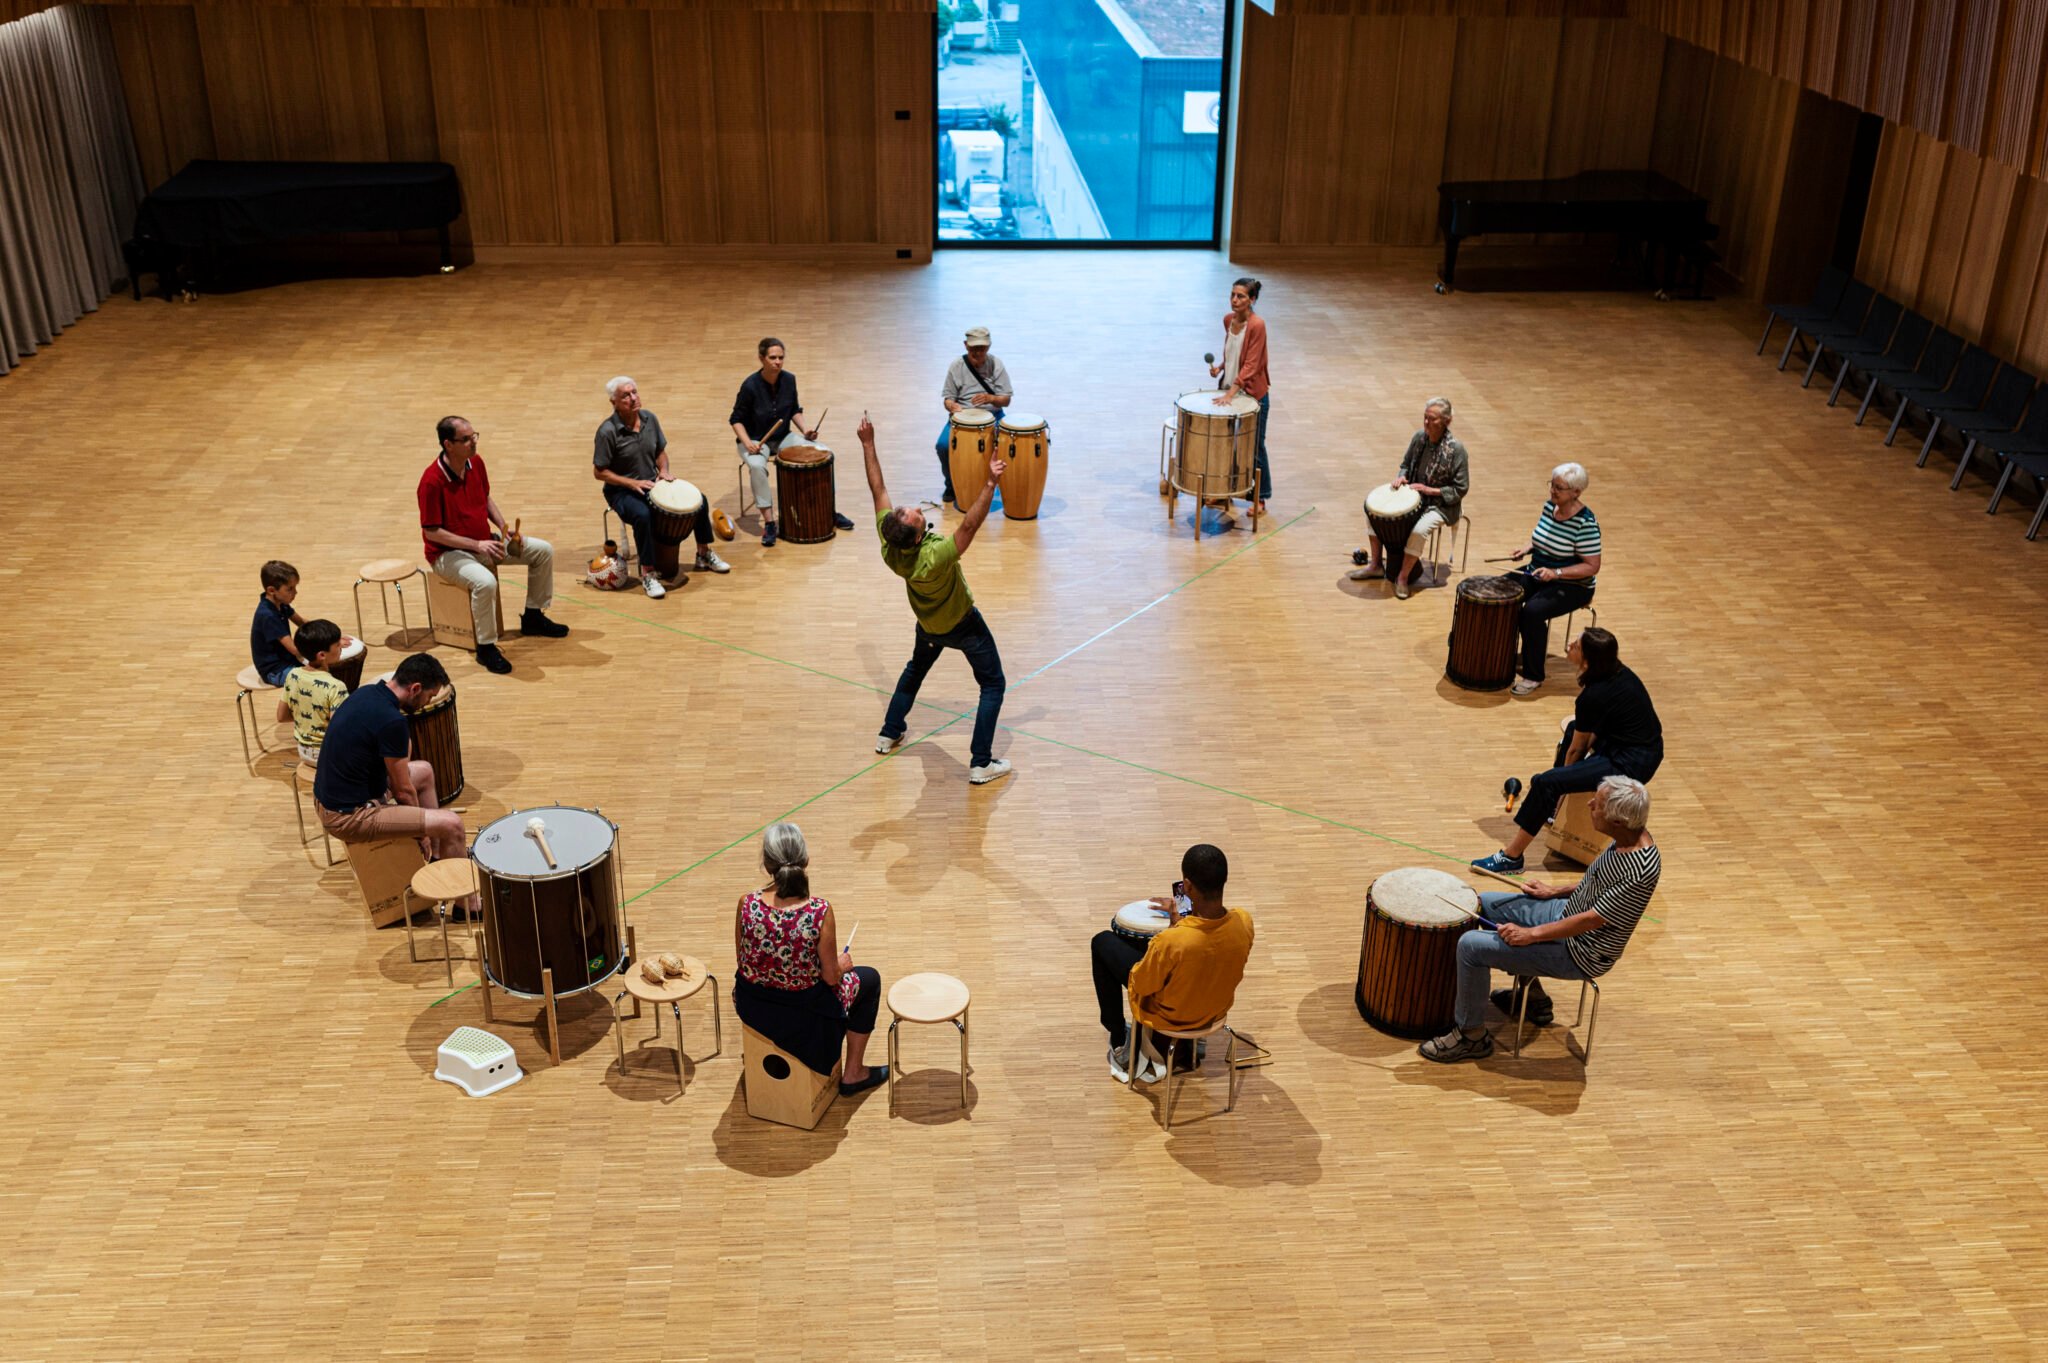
{"x": 1265, "y": 470}
{"x": 1481, "y": 951}
{"x": 971, "y": 636}
{"x": 276, "y": 675}
{"x": 945, "y": 464}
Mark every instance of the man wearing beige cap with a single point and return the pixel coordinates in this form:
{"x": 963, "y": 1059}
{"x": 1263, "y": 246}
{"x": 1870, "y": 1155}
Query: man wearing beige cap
{"x": 976, "y": 379}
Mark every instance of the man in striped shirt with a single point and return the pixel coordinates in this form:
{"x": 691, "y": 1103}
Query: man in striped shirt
{"x": 1578, "y": 939}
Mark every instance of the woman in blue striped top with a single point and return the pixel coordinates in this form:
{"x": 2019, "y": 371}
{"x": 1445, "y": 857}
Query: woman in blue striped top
{"x": 1564, "y": 551}
{"x": 1562, "y": 932}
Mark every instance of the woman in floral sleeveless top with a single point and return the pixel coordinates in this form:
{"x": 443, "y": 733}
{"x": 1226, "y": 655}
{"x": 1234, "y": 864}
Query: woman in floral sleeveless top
{"x": 795, "y": 986}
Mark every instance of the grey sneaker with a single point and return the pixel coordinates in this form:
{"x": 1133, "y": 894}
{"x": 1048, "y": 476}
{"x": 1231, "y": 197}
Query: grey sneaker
{"x": 1454, "y": 1046}
{"x": 708, "y": 562}
{"x": 994, "y": 771}
{"x": 1524, "y": 687}
{"x": 1116, "y": 1065}
{"x": 884, "y": 743}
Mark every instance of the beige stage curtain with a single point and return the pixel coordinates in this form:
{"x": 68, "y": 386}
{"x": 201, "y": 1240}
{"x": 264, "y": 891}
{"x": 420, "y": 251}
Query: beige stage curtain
{"x": 69, "y": 180}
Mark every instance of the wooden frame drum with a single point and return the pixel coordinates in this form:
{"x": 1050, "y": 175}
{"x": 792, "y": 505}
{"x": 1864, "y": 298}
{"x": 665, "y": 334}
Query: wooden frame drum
{"x": 971, "y": 442}
{"x": 1408, "y": 962}
{"x": 803, "y": 484}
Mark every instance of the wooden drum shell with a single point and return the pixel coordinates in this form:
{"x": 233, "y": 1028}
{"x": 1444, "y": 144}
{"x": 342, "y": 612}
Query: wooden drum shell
{"x": 805, "y": 490}
{"x": 437, "y": 741}
{"x": 1408, "y": 974}
{"x": 571, "y": 923}
{"x": 348, "y": 668}
{"x": 669, "y": 528}
{"x": 970, "y": 445}
{"x": 1028, "y": 452}
{"x": 1485, "y": 629}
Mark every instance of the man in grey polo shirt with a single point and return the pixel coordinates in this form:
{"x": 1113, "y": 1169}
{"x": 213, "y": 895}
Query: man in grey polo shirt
{"x": 976, "y": 379}
{"x": 630, "y": 454}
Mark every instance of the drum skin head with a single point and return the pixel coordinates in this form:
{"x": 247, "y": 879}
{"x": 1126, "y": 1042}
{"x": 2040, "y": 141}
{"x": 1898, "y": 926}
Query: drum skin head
{"x": 674, "y": 494}
{"x": 1139, "y": 916}
{"x": 1501, "y": 588}
{"x": 974, "y": 416}
{"x": 1388, "y": 500}
{"x": 1416, "y": 894}
{"x": 793, "y": 453}
{"x": 577, "y": 837}
{"x": 1022, "y": 422}
{"x": 1202, "y": 402}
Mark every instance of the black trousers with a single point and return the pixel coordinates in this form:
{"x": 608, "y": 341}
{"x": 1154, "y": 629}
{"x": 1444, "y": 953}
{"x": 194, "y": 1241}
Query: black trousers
{"x": 860, "y": 1018}
{"x": 1114, "y": 958}
{"x": 1545, "y": 602}
{"x": 1546, "y": 788}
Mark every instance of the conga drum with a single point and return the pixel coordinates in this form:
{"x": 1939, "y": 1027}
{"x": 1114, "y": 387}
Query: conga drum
{"x": 348, "y": 668}
{"x": 566, "y": 918}
{"x": 1392, "y": 513}
{"x": 803, "y": 481}
{"x": 1408, "y": 964}
{"x": 1140, "y": 921}
{"x": 677, "y": 504}
{"x": 1483, "y": 633}
{"x": 1025, "y": 442}
{"x": 437, "y": 741}
{"x": 971, "y": 443}
{"x": 1215, "y": 448}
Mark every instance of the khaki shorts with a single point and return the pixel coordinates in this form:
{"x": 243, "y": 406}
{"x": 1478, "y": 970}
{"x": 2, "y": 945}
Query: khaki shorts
{"x": 373, "y": 823}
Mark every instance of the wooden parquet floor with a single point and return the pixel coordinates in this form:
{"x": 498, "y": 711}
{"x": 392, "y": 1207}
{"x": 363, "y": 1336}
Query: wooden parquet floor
{"x": 1812, "y": 1127}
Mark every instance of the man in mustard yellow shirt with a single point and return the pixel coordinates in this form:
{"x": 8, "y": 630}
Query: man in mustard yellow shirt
{"x": 1186, "y": 977}
{"x": 929, "y": 564}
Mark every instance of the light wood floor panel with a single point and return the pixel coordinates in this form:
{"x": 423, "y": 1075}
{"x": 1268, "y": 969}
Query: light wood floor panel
{"x": 1812, "y": 1128}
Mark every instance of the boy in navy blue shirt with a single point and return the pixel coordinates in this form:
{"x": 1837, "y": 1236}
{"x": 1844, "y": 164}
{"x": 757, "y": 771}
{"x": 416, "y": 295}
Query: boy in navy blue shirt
{"x": 270, "y": 636}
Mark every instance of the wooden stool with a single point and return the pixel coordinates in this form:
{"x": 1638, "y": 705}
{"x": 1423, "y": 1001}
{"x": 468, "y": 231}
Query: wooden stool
{"x": 1230, "y": 1061}
{"x": 782, "y": 1088}
{"x": 442, "y": 883}
{"x": 671, "y": 992}
{"x": 386, "y": 572}
{"x": 1585, "y": 1052}
{"x": 449, "y": 614}
{"x": 928, "y": 998}
{"x": 302, "y": 791}
{"x": 1572, "y": 833}
{"x": 384, "y": 871}
{"x": 249, "y": 683}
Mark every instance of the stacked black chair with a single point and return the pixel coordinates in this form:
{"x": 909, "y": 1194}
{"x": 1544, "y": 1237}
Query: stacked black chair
{"x": 1903, "y": 350}
{"x": 1963, "y": 392}
{"x": 2024, "y": 451}
{"x": 1994, "y": 420}
{"x": 1875, "y": 334}
{"x": 1997, "y": 414}
{"x": 1847, "y": 316}
{"x": 1826, "y": 294}
{"x": 1936, "y": 363}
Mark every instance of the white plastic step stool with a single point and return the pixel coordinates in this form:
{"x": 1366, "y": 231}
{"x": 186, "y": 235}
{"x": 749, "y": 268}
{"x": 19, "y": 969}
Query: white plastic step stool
{"x": 476, "y": 1060}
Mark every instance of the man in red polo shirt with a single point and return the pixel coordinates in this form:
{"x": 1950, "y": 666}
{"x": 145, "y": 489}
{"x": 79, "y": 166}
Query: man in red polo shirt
{"x": 457, "y": 513}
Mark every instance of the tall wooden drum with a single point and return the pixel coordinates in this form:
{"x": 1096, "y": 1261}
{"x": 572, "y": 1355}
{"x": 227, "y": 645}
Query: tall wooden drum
{"x": 971, "y": 444}
{"x": 1408, "y": 964}
{"x": 1026, "y": 444}
{"x": 677, "y": 504}
{"x": 1483, "y": 632}
{"x": 566, "y": 919}
{"x": 437, "y": 741}
{"x": 348, "y": 668}
{"x": 803, "y": 483}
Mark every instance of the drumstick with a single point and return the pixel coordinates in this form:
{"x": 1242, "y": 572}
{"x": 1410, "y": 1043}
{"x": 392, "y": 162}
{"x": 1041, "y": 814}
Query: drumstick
{"x": 821, "y": 423}
{"x": 847, "y": 945}
{"x": 1511, "y": 558}
{"x": 538, "y": 831}
{"x": 1479, "y": 917}
{"x": 1498, "y": 876}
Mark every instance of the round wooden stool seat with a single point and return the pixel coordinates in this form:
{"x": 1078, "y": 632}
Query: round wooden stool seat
{"x": 249, "y": 679}
{"x": 389, "y": 570}
{"x": 448, "y": 879}
{"x": 928, "y": 997}
{"x": 302, "y": 777}
{"x": 674, "y": 990}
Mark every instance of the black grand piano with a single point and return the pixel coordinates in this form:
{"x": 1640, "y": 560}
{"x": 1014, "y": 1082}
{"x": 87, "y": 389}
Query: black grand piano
{"x": 210, "y": 206}
{"x": 1635, "y": 205}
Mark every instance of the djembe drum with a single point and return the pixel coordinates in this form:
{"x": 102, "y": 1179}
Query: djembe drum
{"x": 677, "y": 504}
{"x": 1482, "y": 643}
{"x": 1408, "y": 963}
{"x": 1392, "y": 513}
{"x": 803, "y": 482}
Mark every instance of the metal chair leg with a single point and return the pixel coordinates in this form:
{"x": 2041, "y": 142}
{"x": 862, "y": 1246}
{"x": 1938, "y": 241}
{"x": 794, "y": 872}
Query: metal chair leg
{"x": 1927, "y": 445}
{"x": 2004, "y": 479}
{"x": 1592, "y": 1020}
{"x": 1963, "y": 464}
{"x": 1868, "y": 394}
{"x": 1786, "y": 354}
{"x": 1892, "y": 432}
{"x": 1763, "y": 340}
{"x": 895, "y": 1063}
{"x": 1521, "y": 1010}
{"x": 961, "y": 1023}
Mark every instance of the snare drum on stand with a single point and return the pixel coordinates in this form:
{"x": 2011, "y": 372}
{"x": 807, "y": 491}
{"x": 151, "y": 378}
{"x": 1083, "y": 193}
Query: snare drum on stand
{"x": 971, "y": 442}
{"x": 1215, "y": 450}
{"x": 803, "y": 483}
{"x": 348, "y": 668}
{"x": 1483, "y": 632}
{"x": 554, "y": 922}
{"x": 1025, "y": 443}
{"x": 1392, "y": 513}
{"x": 677, "y": 504}
{"x": 1408, "y": 964}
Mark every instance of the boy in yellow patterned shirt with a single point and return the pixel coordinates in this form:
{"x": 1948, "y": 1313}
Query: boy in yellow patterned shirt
{"x": 313, "y": 693}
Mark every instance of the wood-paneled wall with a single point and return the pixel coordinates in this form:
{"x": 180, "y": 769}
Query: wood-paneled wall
{"x": 1349, "y": 121}
{"x": 584, "y": 126}
{"x": 1962, "y": 238}
{"x": 1970, "y": 72}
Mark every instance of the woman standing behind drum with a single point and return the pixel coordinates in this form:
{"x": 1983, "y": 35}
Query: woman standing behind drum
{"x": 1244, "y": 360}
{"x": 1566, "y": 546}
{"x": 795, "y": 985}
{"x": 1436, "y": 467}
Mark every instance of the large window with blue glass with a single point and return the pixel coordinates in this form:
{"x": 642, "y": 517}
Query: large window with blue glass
{"x": 1080, "y": 120}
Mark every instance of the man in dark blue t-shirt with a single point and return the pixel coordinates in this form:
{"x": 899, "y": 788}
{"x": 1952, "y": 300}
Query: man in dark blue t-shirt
{"x": 367, "y": 786}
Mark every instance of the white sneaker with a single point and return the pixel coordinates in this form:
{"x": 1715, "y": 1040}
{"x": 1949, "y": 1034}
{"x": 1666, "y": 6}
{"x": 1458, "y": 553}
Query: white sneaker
{"x": 884, "y": 743}
{"x": 1116, "y": 1065}
{"x": 708, "y": 562}
{"x": 655, "y": 590}
{"x": 994, "y": 771}
{"x": 1524, "y": 687}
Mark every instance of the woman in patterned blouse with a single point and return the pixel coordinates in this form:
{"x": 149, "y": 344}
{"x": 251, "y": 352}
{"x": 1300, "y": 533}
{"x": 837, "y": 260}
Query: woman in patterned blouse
{"x": 795, "y": 985}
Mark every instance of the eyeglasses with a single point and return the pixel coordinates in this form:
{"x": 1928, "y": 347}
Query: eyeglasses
{"x": 469, "y": 439}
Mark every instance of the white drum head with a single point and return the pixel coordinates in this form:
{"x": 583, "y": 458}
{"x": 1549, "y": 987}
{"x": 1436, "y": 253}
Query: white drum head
{"x": 674, "y": 494}
{"x": 577, "y": 837}
{"x": 1416, "y": 894}
{"x": 1141, "y": 919}
{"x": 1388, "y": 500}
{"x": 974, "y": 416}
{"x": 354, "y": 649}
{"x": 1202, "y": 402}
{"x": 1023, "y": 422}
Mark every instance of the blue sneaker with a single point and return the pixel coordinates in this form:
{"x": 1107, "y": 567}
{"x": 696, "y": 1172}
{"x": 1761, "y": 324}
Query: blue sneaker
{"x": 1501, "y": 864}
